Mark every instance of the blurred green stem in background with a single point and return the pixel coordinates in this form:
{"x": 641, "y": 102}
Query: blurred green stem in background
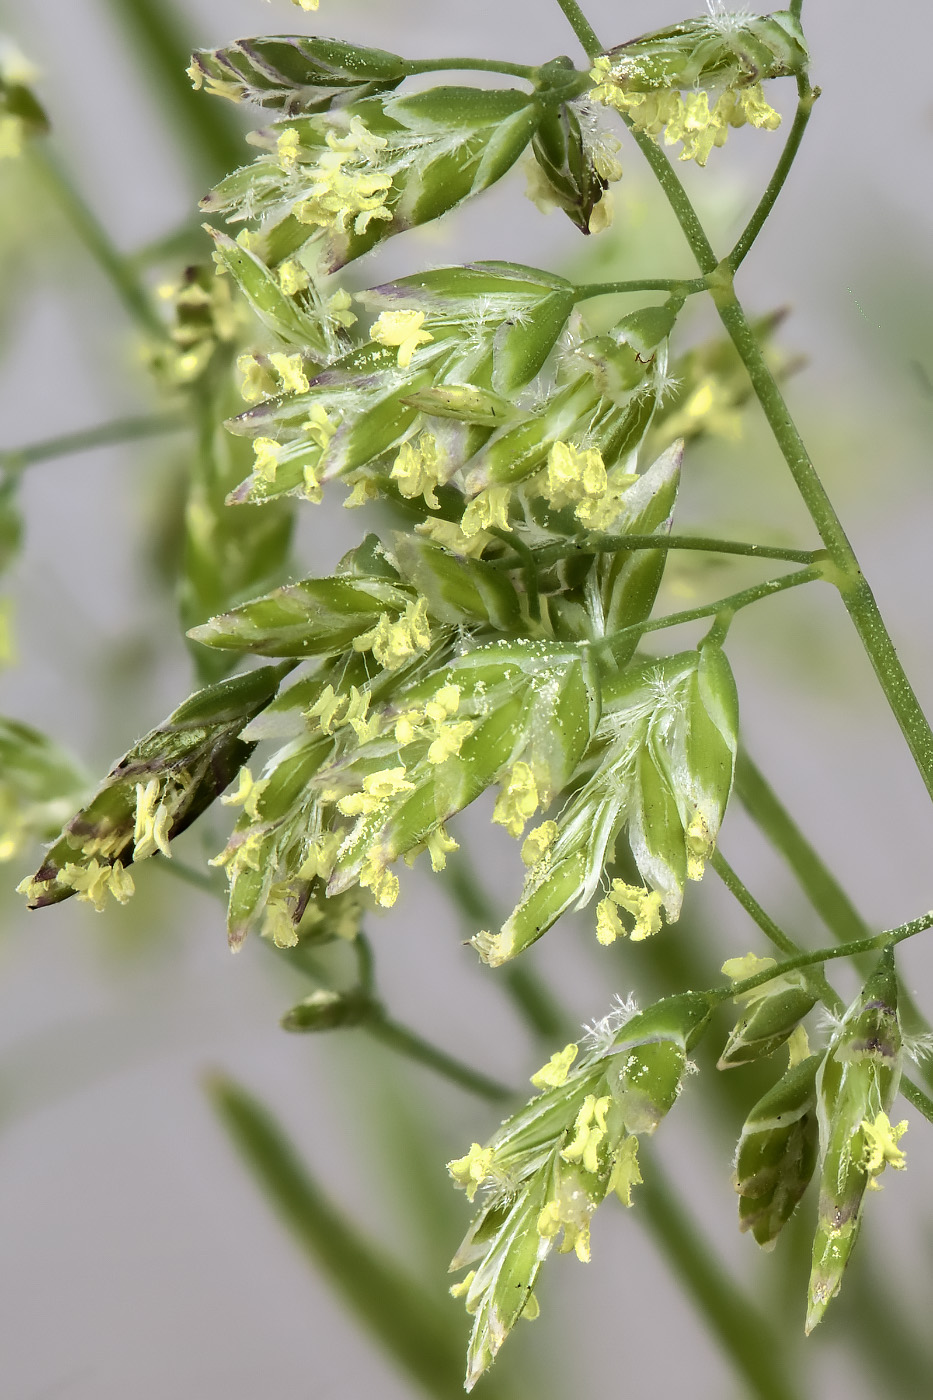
{"x": 117, "y": 432}
{"x": 84, "y": 222}
{"x": 209, "y": 134}
{"x": 417, "y": 1329}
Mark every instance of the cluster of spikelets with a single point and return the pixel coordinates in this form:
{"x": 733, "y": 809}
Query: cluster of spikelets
{"x": 665, "y": 81}
{"x": 490, "y": 641}
{"x": 546, "y": 1169}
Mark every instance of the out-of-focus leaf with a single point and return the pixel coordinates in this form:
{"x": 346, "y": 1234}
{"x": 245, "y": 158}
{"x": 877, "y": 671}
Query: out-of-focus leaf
{"x": 417, "y": 1331}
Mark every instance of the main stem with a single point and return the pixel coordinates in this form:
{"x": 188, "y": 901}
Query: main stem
{"x": 856, "y": 595}
{"x": 581, "y": 27}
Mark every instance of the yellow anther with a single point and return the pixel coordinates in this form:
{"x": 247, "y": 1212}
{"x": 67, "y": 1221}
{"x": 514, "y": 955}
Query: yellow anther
{"x": 246, "y": 794}
{"x": 418, "y": 468}
{"x": 320, "y": 856}
{"x": 601, "y": 214}
{"x": 737, "y": 969}
{"x": 440, "y": 846}
{"x": 327, "y": 709}
{"x": 589, "y": 1131}
{"x": 408, "y": 727}
{"x": 538, "y": 842}
{"x": 293, "y": 278}
{"x": 600, "y": 512}
{"x": 389, "y": 783}
{"x": 257, "y": 383}
{"x": 377, "y": 788}
{"x": 574, "y": 475}
{"x": 554, "y": 1073}
{"x": 577, "y": 1238}
{"x": 450, "y": 537}
{"x": 153, "y": 821}
{"x": 445, "y": 702}
{"x": 356, "y": 716}
{"x": 881, "y": 1145}
{"x": 644, "y": 904}
{"x": 380, "y": 882}
{"x": 798, "y": 1046}
{"x": 339, "y": 194}
{"x": 94, "y": 881}
{"x": 338, "y": 308}
{"x": 458, "y": 1290}
{"x": 448, "y": 740}
{"x": 625, "y": 1173}
{"x": 609, "y": 926}
{"x": 290, "y": 370}
{"x": 364, "y": 489}
{"x": 287, "y": 148}
{"x": 549, "y": 1223}
{"x": 278, "y": 925}
{"x": 393, "y": 642}
{"x": 266, "y": 451}
{"x": 312, "y": 489}
{"x": 518, "y": 800}
{"x": 319, "y": 427}
{"x": 306, "y": 4}
{"x": 699, "y": 845}
{"x": 402, "y": 329}
{"x": 487, "y": 511}
{"x": 473, "y": 1169}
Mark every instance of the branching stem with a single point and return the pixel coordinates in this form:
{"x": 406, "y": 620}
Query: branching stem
{"x": 676, "y": 285}
{"x": 120, "y": 430}
{"x": 479, "y": 65}
{"x": 723, "y": 609}
{"x": 408, "y": 1043}
{"x": 581, "y": 27}
{"x": 610, "y": 544}
{"x": 806, "y": 96}
{"x": 848, "y": 578}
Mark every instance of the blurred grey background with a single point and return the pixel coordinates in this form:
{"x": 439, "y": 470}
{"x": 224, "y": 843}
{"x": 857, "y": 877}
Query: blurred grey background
{"x": 138, "y": 1260}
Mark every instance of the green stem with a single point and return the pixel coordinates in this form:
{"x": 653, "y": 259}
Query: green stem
{"x": 830, "y": 998}
{"x": 97, "y": 241}
{"x": 818, "y": 981}
{"x": 754, "y": 1349}
{"x": 678, "y": 285}
{"x": 529, "y": 563}
{"x": 815, "y": 878}
{"x": 581, "y": 27}
{"x": 818, "y": 882}
{"x": 856, "y": 595}
{"x": 878, "y": 944}
{"x": 413, "y": 1047}
{"x": 722, "y": 610}
{"x": 120, "y": 430}
{"x": 479, "y": 65}
{"x": 853, "y": 587}
{"x": 610, "y": 544}
{"x": 806, "y": 97}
